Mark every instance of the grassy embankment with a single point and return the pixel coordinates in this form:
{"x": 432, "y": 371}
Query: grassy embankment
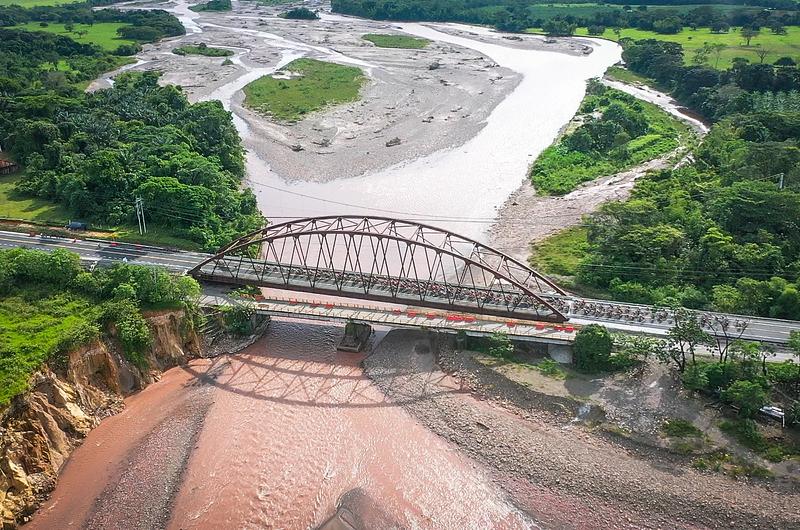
{"x": 561, "y": 167}
{"x": 396, "y": 41}
{"x": 34, "y": 325}
{"x": 49, "y": 305}
{"x": 202, "y": 49}
{"x": 317, "y": 84}
{"x": 777, "y": 45}
{"x": 103, "y": 34}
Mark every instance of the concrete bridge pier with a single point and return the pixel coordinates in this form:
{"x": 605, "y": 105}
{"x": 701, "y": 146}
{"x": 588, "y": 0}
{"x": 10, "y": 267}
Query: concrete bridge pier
{"x": 561, "y": 353}
{"x": 355, "y": 337}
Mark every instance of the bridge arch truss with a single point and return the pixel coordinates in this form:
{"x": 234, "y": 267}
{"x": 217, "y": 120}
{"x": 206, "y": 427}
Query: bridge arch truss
{"x": 388, "y": 260}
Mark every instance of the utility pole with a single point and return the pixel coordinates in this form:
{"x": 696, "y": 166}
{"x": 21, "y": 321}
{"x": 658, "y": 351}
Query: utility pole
{"x": 140, "y": 215}
{"x": 780, "y": 184}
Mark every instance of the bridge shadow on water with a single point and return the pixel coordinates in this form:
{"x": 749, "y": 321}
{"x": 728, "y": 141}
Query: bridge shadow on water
{"x": 296, "y": 363}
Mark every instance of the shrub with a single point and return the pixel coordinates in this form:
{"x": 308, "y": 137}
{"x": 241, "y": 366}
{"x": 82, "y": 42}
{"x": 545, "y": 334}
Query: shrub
{"x": 695, "y": 377}
{"x": 238, "y": 318}
{"x": 500, "y": 346}
{"x": 592, "y": 348}
{"x": 749, "y": 396}
{"x": 680, "y": 428}
{"x": 746, "y": 433}
{"x": 300, "y": 13}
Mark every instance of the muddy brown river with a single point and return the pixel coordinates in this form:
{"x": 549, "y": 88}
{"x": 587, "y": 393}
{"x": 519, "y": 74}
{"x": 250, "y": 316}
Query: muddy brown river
{"x": 280, "y": 435}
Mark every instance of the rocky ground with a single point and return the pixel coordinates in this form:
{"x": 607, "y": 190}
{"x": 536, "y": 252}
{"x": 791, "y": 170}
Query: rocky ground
{"x": 555, "y": 467}
{"x": 429, "y": 99}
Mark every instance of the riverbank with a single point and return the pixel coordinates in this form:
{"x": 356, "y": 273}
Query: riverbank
{"x": 42, "y": 427}
{"x": 527, "y": 217}
{"x": 555, "y": 469}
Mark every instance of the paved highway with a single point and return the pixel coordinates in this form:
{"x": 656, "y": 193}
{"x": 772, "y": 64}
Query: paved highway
{"x": 624, "y": 317}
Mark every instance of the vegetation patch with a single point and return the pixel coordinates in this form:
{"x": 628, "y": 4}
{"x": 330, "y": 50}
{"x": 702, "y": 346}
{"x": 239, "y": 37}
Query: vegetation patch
{"x": 49, "y": 305}
{"x": 202, "y": 49}
{"x": 102, "y": 34}
{"x": 721, "y": 461}
{"x": 560, "y": 253}
{"x": 624, "y": 75}
{"x": 315, "y": 85}
{"x": 618, "y": 132}
{"x": 300, "y": 13}
{"x": 680, "y": 428}
{"x": 38, "y": 3}
{"x": 396, "y": 41}
{"x": 213, "y": 5}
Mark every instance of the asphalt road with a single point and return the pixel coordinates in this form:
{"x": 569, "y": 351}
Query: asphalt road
{"x": 102, "y": 252}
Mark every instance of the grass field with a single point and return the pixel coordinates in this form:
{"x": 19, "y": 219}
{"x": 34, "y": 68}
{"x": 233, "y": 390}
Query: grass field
{"x": 396, "y": 41}
{"x": 318, "y": 84}
{"x": 546, "y": 11}
{"x": 36, "y": 3}
{"x": 33, "y": 325}
{"x": 691, "y": 40}
{"x": 14, "y": 206}
{"x": 103, "y": 34}
{"x": 560, "y": 253}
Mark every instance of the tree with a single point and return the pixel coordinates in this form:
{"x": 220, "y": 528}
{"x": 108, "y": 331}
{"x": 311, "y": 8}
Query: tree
{"x": 794, "y": 342}
{"x": 777, "y": 28}
{"x": 69, "y": 26}
{"x": 749, "y": 33}
{"x": 596, "y": 29}
{"x": 716, "y": 49}
{"x": 720, "y": 26}
{"x": 785, "y": 61}
{"x": 695, "y": 378}
{"x": 557, "y": 27}
{"x": 762, "y": 53}
{"x": 592, "y": 348}
{"x": 684, "y": 338}
{"x": 748, "y": 396}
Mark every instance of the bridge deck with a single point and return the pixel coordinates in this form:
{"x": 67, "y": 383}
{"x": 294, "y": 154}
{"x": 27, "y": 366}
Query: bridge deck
{"x": 410, "y": 317}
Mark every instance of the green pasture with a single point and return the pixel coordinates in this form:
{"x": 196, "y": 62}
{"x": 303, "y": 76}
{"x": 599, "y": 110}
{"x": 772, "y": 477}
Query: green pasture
{"x": 103, "y": 34}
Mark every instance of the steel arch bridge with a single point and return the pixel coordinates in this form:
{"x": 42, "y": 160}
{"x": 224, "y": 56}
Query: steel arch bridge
{"x": 387, "y": 260}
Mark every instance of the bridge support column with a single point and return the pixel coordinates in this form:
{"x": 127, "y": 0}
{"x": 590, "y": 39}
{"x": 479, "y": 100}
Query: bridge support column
{"x": 561, "y": 353}
{"x": 355, "y": 337}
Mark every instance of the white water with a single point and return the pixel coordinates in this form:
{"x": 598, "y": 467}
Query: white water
{"x": 469, "y": 181}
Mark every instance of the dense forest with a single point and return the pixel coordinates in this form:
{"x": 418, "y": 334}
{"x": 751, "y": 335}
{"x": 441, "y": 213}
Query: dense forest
{"x": 517, "y": 15}
{"x": 94, "y": 153}
{"x": 721, "y": 232}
